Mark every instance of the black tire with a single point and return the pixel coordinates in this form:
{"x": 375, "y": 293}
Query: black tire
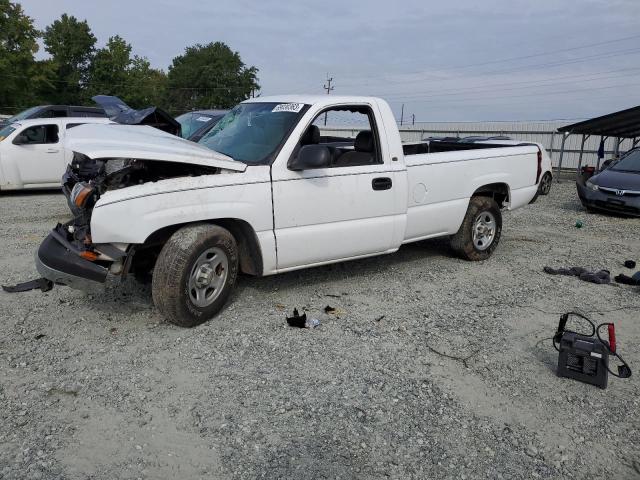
{"x": 463, "y": 241}
{"x": 171, "y": 290}
{"x": 545, "y": 184}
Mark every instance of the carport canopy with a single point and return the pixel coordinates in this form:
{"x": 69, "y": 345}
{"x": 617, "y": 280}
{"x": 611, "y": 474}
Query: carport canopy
{"x": 618, "y": 125}
{"x": 622, "y": 124}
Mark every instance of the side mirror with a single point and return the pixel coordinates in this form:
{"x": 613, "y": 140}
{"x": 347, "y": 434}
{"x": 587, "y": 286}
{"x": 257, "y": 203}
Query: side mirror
{"x": 20, "y": 139}
{"x": 309, "y": 157}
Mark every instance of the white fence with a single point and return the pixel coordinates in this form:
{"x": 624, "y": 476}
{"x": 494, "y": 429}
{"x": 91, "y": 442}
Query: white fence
{"x": 540, "y": 132}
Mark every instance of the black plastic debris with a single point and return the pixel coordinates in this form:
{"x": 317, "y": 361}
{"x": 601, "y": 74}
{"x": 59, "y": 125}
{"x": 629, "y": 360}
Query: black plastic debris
{"x": 120, "y": 112}
{"x": 301, "y": 321}
{"x": 630, "y": 264}
{"x": 627, "y": 280}
{"x": 600, "y": 276}
{"x": 42, "y": 283}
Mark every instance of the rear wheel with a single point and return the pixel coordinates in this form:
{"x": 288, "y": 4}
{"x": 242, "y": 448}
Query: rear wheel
{"x": 545, "y": 184}
{"x": 480, "y": 231}
{"x": 194, "y": 274}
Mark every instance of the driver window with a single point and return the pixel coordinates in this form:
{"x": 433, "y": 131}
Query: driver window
{"x": 349, "y": 134}
{"x": 41, "y": 134}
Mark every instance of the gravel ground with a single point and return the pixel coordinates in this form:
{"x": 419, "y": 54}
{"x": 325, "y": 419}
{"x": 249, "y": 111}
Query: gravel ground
{"x": 431, "y": 367}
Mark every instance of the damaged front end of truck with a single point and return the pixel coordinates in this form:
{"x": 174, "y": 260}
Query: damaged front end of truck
{"x": 69, "y": 255}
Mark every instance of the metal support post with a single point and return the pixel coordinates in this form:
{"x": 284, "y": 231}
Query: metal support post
{"x": 564, "y": 139}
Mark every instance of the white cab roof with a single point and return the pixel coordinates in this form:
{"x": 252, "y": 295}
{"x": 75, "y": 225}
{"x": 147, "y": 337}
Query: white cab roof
{"x": 314, "y": 99}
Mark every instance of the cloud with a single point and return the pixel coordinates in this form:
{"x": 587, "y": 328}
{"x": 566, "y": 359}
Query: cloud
{"x": 404, "y": 51}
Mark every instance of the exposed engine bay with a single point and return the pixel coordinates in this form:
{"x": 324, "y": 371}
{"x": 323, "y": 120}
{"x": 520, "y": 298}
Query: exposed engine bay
{"x": 87, "y": 179}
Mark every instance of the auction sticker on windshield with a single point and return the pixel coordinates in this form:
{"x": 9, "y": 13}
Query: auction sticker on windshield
{"x": 288, "y": 107}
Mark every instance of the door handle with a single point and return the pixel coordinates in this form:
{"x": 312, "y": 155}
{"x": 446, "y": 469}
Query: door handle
{"x": 52, "y": 150}
{"x": 381, "y": 183}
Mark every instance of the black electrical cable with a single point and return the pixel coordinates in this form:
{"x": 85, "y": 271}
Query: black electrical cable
{"x": 563, "y": 321}
{"x": 624, "y": 371}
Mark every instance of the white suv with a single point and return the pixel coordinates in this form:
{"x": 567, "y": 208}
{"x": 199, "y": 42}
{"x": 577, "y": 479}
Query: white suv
{"x": 32, "y": 152}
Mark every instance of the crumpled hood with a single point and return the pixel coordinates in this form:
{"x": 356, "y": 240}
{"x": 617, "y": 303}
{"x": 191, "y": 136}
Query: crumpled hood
{"x": 144, "y": 143}
{"x": 618, "y": 180}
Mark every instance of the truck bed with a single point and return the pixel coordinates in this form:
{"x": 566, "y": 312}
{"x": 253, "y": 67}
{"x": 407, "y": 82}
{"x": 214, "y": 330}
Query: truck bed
{"x": 417, "y": 148}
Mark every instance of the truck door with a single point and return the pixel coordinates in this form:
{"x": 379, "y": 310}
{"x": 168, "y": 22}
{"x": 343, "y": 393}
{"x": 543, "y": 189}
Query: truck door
{"x": 345, "y": 210}
{"x": 38, "y": 154}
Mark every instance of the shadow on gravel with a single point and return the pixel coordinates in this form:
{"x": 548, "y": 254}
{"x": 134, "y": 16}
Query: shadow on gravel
{"x": 130, "y": 296}
{"x": 408, "y": 254}
{"x": 30, "y": 193}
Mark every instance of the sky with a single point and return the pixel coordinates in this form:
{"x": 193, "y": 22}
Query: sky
{"x": 461, "y": 60}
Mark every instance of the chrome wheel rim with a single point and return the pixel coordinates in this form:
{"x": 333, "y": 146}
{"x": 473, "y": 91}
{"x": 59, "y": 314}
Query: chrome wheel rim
{"x": 546, "y": 184}
{"x": 484, "y": 230}
{"x": 208, "y": 277}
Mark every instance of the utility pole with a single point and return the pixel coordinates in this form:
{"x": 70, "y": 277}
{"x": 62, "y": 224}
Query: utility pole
{"x": 327, "y": 86}
{"x": 402, "y": 115}
{"x": 413, "y": 119}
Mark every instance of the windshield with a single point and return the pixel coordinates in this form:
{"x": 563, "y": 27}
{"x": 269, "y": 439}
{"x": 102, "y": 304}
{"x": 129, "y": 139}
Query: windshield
{"x": 191, "y": 121}
{"x": 6, "y": 131}
{"x": 252, "y": 132}
{"x": 24, "y": 114}
{"x": 629, "y": 163}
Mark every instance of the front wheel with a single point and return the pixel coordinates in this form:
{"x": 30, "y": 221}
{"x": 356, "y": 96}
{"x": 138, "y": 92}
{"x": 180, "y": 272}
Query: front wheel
{"x": 194, "y": 274}
{"x": 480, "y": 231}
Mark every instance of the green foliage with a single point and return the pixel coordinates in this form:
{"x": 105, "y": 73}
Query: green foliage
{"x": 207, "y": 76}
{"x": 147, "y": 86}
{"x": 18, "y": 44}
{"x": 114, "y": 72}
{"x": 108, "y": 70}
{"x": 71, "y": 45}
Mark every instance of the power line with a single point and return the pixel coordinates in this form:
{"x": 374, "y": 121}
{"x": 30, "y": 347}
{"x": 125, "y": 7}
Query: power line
{"x": 516, "y": 58}
{"x": 462, "y": 99}
{"x": 525, "y": 85}
{"x": 528, "y": 103}
{"x": 515, "y": 69}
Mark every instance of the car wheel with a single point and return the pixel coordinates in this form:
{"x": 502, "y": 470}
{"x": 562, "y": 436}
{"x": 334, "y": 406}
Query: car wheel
{"x": 194, "y": 274}
{"x": 545, "y": 184}
{"x": 480, "y": 231}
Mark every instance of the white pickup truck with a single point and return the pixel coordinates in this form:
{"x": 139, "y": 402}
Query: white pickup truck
{"x": 266, "y": 192}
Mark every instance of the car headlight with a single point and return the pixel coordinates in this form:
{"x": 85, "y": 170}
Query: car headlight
{"x": 592, "y": 186}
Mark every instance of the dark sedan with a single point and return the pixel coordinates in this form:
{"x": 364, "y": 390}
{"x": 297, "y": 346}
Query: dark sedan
{"x": 197, "y": 123}
{"x": 615, "y": 189}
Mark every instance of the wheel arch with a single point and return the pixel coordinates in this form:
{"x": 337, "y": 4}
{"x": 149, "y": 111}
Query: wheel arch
{"x": 499, "y": 191}
{"x": 249, "y": 251}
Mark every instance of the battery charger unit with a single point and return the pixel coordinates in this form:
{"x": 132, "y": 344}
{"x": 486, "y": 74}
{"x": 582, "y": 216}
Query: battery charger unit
{"x": 586, "y": 357}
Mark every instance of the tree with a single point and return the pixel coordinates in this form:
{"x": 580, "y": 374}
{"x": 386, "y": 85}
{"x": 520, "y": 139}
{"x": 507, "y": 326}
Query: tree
{"x": 207, "y": 76}
{"x": 108, "y": 70}
{"x": 71, "y": 45}
{"x": 146, "y": 85}
{"x": 18, "y": 44}
{"x": 114, "y": 72}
